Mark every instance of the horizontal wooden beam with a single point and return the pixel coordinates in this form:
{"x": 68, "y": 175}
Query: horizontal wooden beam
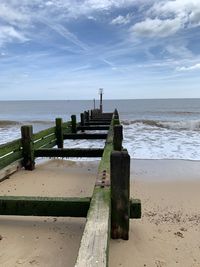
{"x": 100, "y": 120}
{"x": 84, "y": 136}
{"x": 54, "y": 206}
{"x": 44, "y": 206}
{"x": 102, "y": 115}
{"x": 93, "y": 128}
{"x": 97, "y": 123}
{"x": 71, "y": 152}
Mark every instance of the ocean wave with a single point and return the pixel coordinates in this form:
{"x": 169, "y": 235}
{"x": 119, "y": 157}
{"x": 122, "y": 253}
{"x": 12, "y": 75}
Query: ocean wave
{"x": 5, "y": 123}
{"x": 10, "y": 123}
{"x": 192, "y": 125}
{"x": 40, "y": 122}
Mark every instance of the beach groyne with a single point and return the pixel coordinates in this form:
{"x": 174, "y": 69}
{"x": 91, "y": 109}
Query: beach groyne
{"x": 108, "y": 210}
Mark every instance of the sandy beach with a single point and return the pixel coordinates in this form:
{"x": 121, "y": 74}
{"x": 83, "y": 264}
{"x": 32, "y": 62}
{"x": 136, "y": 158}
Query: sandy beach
{"x": 167, "y": 234}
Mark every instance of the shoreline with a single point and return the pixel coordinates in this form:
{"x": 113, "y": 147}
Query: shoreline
{"x": 166, "y": 236}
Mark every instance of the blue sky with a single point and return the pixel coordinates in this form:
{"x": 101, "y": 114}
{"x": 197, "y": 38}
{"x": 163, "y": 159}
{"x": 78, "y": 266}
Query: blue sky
{"x": 64, "y": 49}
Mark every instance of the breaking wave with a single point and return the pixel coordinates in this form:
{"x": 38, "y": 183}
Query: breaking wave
{"x": 193, "y": 125}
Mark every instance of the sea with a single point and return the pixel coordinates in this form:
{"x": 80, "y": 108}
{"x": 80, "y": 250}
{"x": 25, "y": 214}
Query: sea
{"x": 153, "y": 128}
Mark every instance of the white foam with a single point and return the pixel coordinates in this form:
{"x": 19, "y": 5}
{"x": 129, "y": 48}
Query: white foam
{"x": 149, "y": 142}
{"x": 143, "y": 141}
{"x": 8, "y": 134}
{"x": 182, "y": 125}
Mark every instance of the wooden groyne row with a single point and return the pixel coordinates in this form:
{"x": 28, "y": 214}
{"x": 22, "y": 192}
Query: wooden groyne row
{"x": 108, "y": 210}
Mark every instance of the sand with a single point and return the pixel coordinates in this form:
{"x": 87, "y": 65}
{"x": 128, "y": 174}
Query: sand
{"x": 167, "y": 235}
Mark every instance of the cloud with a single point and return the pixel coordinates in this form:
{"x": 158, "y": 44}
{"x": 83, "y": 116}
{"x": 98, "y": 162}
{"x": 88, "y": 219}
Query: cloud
{"x": 165, "y": 18}
{"x": 10, "y": 15}
{"x": 156, "y": 27}
{"x": 9, "y": 33}
{"x": 186, "y": 10}
{"x": 65, "y": 33}
{"x": 121, "y": 20}
{"x": 189, "y": 68}
{"x": 23, "y": 16}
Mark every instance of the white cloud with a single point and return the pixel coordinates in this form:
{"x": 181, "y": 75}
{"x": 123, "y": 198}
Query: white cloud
{"x": 121, "y": 20}
{"x": 156, "y": 27}
{"x": 187, "y": 10}
{"x": 9, "y": 33}
{"x": 165, "y": 18}
{"x": 189, "y": 68}
{"x": 11, "y": 15}
{"x": 23, "y": 15}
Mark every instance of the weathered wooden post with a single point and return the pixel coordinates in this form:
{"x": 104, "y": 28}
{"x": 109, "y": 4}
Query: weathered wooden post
{"x": 59, "y": 132}
{"x": 86, "y": 114}
{"x": 116, "y": 118}
{"x": 73, "y": 121}
{"x": 118, "y": 137}
{"x": 101, "y": 100}
{"x": 120, "y": 193}
{"x": 116, "y": 114}
{"x": 82, "y": 120}
{"x": 28, "y": 147}
{"x": 116, "y": 122}
{"x": 91, "y": 114}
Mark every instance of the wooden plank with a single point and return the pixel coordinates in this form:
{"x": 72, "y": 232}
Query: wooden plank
{"x": 65, "y": 152}
{"x": 44, "y": 133}
{"x": 102, "y": 116}
{"x": 92, "y": 128}
{"x": 28, "y": 147}
{"x": 95, "y": 240}
{"x": 51, "y": 144}
{"x": 44, "y": 141}
{"x": 120, "y": 193}
{"x": 67, "y": 130}
{"x": 84, "y": 136}
{"x": 66, "y": 125}
{"x": 44, "y": 206}
{"x": 91, "y": 123}
{"x": 8, "y": 159}
{"x": 10, "y": 169}
{"x": 10, "y": 147}
{"x": 100, "y": 120}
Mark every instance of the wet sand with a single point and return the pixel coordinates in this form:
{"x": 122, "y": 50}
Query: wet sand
{"x": 167, "y": 234}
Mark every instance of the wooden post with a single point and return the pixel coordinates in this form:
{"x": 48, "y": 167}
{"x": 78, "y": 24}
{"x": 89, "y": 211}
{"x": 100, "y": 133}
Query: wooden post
{"x": 116, "y": 114}
{"x": 116, "y": 122}
{"x": 73, "y": 118}
{"x": 118, "y": 137}
{"x": 28, "y": 147}
{"x": 82, "y": 120}
{"x": 59, "y": 132}
{"x": 87, "y": 116}
{"x": 120, "y": 191}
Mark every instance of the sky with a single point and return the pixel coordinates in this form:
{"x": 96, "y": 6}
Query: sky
{"x": 67, "y": 49}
